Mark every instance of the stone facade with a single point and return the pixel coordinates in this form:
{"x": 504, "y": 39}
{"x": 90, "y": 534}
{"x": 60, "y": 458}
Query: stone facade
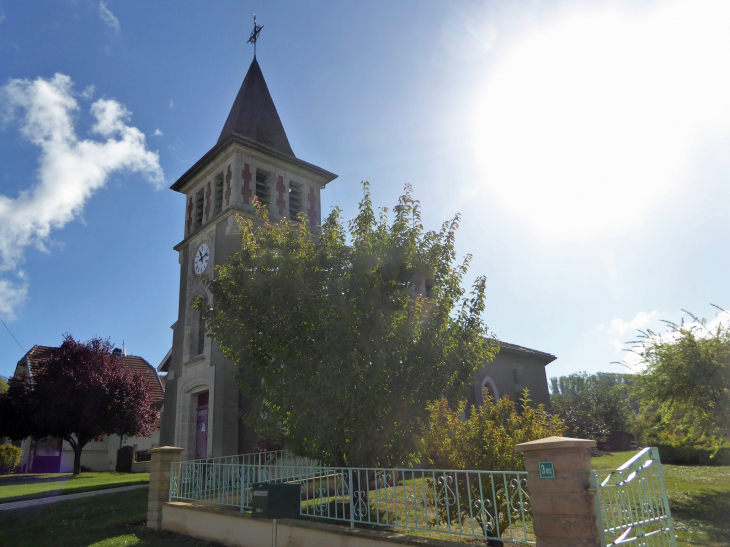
{"x": 160, "y": 465}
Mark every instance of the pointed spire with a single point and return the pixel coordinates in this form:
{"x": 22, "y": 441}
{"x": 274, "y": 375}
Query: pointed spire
{"x": 254, "y": 115}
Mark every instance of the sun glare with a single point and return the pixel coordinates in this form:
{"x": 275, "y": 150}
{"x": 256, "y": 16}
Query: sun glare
{"x": 590, "y": 122}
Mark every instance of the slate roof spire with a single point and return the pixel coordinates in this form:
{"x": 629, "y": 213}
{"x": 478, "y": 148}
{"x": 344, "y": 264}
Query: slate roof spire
{"x": 254, "y": 115}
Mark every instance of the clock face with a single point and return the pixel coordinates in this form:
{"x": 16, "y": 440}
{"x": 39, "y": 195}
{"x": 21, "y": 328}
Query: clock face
{"x": 201, "y": 259}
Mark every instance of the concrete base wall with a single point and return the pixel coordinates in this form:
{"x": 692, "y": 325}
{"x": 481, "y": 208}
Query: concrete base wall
{"x": 240, "y": 530}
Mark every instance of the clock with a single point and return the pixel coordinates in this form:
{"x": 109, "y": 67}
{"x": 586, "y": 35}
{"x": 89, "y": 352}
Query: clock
{"x": 202, "y": 256}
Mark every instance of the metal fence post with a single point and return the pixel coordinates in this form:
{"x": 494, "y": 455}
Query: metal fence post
{"x": 352, "y": 499}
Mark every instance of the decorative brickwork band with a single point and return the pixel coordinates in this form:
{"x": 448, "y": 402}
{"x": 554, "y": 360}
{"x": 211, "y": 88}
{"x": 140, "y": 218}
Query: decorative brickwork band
{"x": 160, "y": 464}
{"x": 189, "y": 225}
{"x": 246, "y": 190}
{"x": 207, "y": 202}
{"x": 229, "y": 176}
{"x": 558, "y": 478}
{"x": 312, "y": 213}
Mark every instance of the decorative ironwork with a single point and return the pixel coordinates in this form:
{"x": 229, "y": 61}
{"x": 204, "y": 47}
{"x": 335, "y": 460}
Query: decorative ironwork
{"x": 632, "y": 505}
{"x": 255, "y": 35}
{"x": 479, "y": 504}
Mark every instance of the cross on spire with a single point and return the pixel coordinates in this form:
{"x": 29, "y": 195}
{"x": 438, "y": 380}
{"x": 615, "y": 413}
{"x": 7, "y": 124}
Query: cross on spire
{"x": 254, "y": 35}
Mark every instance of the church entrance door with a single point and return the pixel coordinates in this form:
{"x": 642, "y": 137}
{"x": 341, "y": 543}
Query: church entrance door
{"x": 201, "y": 432}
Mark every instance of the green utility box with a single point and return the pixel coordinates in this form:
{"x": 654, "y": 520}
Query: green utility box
{"x": 276, "y": 500}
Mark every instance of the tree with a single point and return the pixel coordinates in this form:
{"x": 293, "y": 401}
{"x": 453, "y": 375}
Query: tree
{"x": 687, "y": 382}
{"x": 3, "y": 384}
{"x": 592, "y": 407}
{"x": 484, "y": 440}
{"x": 16, "y": 409}
{"x": 81, "y": 393}
{"x": 344, "y": 334}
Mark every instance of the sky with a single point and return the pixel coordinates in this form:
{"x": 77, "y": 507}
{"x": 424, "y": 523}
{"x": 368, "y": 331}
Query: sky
{"x": 584, "y": 145}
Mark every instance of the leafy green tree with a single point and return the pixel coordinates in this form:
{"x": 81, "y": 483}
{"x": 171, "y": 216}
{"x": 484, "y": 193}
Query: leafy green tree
{"x": 686, "y": 382}
{"x": 592, "y": 406}
{"x": 3, "y": 384}
{"x": 344, "y": 334}
{"x": 485, "y": 440}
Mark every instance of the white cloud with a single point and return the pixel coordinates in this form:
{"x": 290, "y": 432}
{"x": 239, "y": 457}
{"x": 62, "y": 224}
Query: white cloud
{"x": 12, "y": 295}
{"x": 3, "y": 17}
{"x": 172, "y": 104}
{"x": 619, "y": 327}
{"x": 617, "y": 345}
{"x": 157, "y": 133}
{"x": 590, "y": 122}
{"x": 108, "y": 17}
{"x": 88, "y": 92}
{"x": 70, "y": 170}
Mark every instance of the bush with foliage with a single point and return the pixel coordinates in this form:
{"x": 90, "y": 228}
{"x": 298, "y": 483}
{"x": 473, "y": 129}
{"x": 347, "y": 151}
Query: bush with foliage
{"x": 9, "y": 458}
{"x": 592, "y": 406}
{"x": 485, "y": 440}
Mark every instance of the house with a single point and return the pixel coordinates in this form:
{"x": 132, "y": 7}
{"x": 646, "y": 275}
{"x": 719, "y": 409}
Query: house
{"x": 253, "y": 159}
{"x": 52, "y": 455}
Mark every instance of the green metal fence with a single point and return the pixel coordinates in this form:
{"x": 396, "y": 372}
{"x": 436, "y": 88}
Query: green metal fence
{"x": 631, "y": 503}
{"x": 477, "y": 504}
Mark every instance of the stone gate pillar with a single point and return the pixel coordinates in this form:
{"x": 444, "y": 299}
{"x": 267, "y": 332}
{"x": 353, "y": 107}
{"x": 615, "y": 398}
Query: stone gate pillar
{"x": 160, "y": 482}
{"x": 558, "y": 478}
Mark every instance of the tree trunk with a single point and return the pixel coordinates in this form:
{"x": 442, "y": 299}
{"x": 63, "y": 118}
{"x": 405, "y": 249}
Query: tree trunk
{"x": 77, "y": 456}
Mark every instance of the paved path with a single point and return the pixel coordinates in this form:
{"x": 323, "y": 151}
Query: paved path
{"x": 53, "y": 499}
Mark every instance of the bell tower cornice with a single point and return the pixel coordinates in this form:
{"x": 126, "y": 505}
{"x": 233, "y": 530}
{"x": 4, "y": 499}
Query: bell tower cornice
{"x": 236, "y": 143}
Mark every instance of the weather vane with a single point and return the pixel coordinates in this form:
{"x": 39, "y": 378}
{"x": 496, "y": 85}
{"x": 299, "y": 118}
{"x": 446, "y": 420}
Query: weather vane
{"x": 254, "y": 35}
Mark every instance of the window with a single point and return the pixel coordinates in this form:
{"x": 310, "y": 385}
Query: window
{"x": 198, "y": 209}
{"x": 218, "y": 194}
{"x": 201, "y": 333}
{"x": 295, "y": 200}
{"x": 262, "y": 188}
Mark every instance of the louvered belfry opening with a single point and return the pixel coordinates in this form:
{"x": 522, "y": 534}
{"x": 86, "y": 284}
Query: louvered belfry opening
{"x": 199, "y": 198}
{"x": 295, "y": 200}
{"x": 218, "y": 194}
{"x": 262, "y": 189}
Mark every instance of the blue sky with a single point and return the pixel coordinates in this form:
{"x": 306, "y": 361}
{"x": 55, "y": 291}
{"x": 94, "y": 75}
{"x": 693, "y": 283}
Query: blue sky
{"x": 584, "y": 144}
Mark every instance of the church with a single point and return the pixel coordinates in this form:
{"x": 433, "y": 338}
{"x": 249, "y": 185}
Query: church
{"x": 253, "y": 160}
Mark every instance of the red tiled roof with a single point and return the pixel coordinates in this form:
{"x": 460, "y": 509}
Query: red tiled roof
{"x": 38, "y": 355}
{"x": 141, "y": 365}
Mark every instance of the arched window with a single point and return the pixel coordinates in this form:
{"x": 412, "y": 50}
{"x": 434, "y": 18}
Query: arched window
{"x": 488, "y": 383}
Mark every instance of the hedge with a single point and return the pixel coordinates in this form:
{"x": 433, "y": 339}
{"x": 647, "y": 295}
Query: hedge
{"x": 688, "y": 455}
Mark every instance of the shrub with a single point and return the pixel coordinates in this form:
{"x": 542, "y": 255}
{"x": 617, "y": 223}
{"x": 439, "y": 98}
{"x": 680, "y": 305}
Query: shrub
{"x": 690, "y": 455}
{"x": 485, "y": 440}
{"x": 9, "y": 458}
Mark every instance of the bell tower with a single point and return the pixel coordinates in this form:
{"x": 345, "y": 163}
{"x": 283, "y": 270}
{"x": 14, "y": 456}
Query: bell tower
{"x": 252, "y": 159}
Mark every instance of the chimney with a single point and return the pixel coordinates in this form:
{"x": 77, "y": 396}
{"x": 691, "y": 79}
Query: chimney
{"x": 116, "y": 352}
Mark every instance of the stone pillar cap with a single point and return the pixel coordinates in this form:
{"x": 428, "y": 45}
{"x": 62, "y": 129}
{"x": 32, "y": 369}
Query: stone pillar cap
{"x": 551, "y": 443}
{"x": 167, "y": 449}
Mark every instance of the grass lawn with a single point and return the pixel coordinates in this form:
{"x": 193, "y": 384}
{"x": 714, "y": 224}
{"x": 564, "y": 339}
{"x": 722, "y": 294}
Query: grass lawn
{"x": 21, "y": 487}
{"x": 699, "y": 498}
{"x": 109, "y": 520}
